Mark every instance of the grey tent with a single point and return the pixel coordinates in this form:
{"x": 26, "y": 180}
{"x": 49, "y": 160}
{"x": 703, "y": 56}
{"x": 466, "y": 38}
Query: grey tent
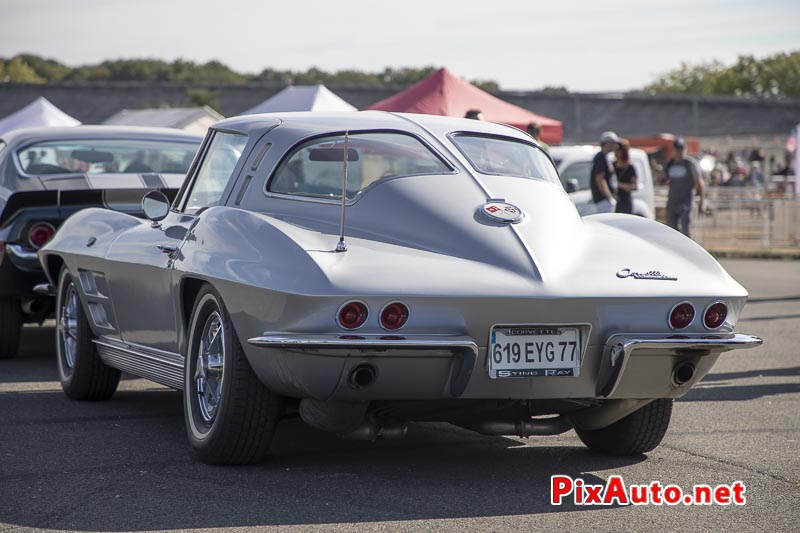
{"x": 192, "y": 119}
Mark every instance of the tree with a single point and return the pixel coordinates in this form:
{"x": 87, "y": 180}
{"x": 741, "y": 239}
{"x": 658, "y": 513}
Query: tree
{"x": 26, "y": 68}
{"x": 776, "y": 76}
{"x": 47, "y": 69}
{"x": 201, "y": 97}
{"x": 18, "y": 71}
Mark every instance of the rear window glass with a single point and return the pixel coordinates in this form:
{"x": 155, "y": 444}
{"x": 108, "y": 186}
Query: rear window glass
{"x": 107, "y": 156}
{"x": 316, "y": 167}
{"x": 505, "y": 156}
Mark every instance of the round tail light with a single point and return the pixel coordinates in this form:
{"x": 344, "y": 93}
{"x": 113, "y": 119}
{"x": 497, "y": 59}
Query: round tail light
{"x": 40, "y": 233}
{"x": 681, "y": 315}
{"x": 715, "y": 315}
{"x": 394, "y": 316}
{"x": 352, "y": 315}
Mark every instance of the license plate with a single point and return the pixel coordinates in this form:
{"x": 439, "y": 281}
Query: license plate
{"x": 522, "y": 352}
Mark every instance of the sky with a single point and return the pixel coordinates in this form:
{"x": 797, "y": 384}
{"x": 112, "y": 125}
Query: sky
{"x": 599, "y": 45}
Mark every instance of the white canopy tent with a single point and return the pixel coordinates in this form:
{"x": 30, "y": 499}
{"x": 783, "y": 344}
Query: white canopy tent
{"x": 40, "y": 112}
{"x": 302, "y": 98}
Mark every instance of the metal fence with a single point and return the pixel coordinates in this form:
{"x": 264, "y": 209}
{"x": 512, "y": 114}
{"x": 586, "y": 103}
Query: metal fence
{"x": 744, "y": 220}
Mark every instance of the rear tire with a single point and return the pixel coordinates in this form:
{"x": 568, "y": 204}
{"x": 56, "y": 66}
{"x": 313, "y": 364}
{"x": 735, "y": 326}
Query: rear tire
{"x": 637, "y": 433}
{"x": 230, "y": 415}
{"x": 83, "y": 375}
{"x": 10, "y": 327}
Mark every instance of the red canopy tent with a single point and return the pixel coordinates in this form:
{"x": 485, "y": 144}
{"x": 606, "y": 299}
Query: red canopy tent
{"x": 444, "y": 93}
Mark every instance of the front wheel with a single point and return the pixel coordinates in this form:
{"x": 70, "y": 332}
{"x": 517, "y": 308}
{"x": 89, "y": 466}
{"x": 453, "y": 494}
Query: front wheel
{"x": 10, "y": 327}
{"x": 637, "y": 433}
{"x": 230, "y": 415}
{"x": 83, "y": 375}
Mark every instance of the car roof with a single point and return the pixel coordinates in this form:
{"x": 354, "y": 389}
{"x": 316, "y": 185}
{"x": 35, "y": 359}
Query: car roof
{"x": 46, "y": 133}
{"x": 585, "y": 152}
{"x": 316, "y": 123}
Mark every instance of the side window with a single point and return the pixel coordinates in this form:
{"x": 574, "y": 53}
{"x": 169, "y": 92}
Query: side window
{"x": 215, "y": 170}
{"x": 315, "y": 167}
{"x": 577, "y": 173}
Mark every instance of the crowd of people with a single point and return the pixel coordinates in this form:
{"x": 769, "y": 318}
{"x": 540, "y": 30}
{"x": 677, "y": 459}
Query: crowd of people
{"x": 739, "y": 168}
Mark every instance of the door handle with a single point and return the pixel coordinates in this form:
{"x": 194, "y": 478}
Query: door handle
{"x": 168, "y": 249}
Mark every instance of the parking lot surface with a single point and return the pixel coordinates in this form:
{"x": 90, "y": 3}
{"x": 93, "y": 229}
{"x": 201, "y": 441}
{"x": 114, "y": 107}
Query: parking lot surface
{"x": 125, "y": 464}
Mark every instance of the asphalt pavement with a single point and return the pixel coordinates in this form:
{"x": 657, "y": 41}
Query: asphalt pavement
{"x": 126, "y": 465}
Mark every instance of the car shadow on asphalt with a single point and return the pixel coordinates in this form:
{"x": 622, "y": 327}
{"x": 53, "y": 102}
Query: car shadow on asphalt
{"x": 767, "y": 372}
{"x": 313, "y": 478}
{"x": 739, "y": 392}
{"x": 125, "y": 465}
{"x": 724, "y": 386}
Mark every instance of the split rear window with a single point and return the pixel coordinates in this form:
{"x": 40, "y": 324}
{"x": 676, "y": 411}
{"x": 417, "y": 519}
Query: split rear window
{"x": 107, "y": 156}
{"x": 505, "y": 156}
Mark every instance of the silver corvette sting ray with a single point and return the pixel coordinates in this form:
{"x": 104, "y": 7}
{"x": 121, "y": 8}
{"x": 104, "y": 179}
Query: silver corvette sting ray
{"x": 364, "y": 270}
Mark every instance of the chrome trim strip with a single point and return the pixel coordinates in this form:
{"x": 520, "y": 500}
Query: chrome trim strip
{"x": 162, "y": 367}
{"x": 310, "y": 341}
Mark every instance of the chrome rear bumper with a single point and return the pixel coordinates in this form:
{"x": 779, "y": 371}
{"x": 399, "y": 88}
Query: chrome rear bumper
{"x": 23, "y": 259}
{"x": 452, "y": 366}
{"x": 621, "y": 348}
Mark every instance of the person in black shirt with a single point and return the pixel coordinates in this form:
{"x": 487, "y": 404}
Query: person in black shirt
{"x": 602, "y": 180}
{"x": 627, "y": 181}
{"x": 684, "y": 179}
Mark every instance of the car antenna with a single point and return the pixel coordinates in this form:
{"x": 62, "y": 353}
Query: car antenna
{"x": 342, "y": 246}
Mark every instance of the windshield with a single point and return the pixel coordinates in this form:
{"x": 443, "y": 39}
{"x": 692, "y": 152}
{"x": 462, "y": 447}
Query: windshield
{"x": 505, "y": 156}
{"x": 107, "y": 156}
{"x": 315, "y": 168}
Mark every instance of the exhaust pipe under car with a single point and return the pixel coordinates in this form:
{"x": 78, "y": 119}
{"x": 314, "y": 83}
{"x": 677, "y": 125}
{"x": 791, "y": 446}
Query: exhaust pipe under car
{"x": 32, "y": 306}
{"x": 521, "y": 428}
{"x": 682, "y": 373}
{"x": 362, "y": 376}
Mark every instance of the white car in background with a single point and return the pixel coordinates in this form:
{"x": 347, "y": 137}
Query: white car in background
{"x": 574, "y": 165}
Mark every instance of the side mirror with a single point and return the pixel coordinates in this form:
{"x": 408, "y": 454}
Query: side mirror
{"x": 155, "y": 205}
{"x": 572, "y": 185}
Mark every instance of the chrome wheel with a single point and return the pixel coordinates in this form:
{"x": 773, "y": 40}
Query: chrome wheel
{"x": 209, "y": 373}
{"x": 68, "y": 328}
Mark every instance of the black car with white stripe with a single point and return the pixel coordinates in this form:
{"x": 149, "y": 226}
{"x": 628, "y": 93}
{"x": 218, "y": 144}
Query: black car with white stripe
{"x": 47, "y": 174}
